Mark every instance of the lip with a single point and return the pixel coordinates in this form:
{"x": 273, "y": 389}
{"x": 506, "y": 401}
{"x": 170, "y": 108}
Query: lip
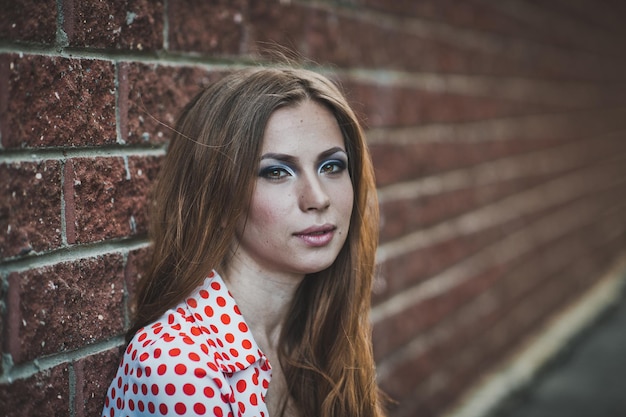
{"x": 317, "y": 236}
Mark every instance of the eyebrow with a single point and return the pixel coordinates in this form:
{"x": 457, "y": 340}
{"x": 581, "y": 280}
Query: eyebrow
{"x": 293, "y": 159}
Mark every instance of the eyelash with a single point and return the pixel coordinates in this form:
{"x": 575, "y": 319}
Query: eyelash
{"x": 278, "y": 172}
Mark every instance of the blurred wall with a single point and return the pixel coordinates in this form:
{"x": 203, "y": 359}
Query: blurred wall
{"x": 496, "y": 128}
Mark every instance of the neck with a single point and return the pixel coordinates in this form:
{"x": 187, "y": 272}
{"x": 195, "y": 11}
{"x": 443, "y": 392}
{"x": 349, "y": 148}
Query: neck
{"x": 263, "y": 298}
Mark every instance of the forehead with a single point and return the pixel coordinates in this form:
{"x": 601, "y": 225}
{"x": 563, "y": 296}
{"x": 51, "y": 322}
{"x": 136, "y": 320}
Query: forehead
{"x": 300, "y": 128}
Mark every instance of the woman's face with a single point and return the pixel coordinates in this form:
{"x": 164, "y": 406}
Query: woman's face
{"x": 300, "y": 211}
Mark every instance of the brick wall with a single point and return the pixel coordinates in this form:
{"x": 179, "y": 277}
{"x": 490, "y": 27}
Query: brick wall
{"x": 497, "y": 132}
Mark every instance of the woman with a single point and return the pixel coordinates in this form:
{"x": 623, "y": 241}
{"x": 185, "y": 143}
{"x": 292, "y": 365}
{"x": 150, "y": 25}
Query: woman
{"x": 265, "y": 229}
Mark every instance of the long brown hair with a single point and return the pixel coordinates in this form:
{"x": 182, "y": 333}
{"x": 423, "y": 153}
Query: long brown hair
{"x": 204, "y": 188}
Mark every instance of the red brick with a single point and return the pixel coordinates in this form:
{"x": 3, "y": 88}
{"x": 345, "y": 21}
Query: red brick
{"x": 29, "y": 21}
{"x": 152, "y": 96}
{"x": 136, "y": 267}
{"x": 109, "y": 199}
{"x": 93, "y": 376}
{"x": 53, "y": 101}
{"x": 208, "y": 27}
{"x": 384, "y": 105}
{"x": 403, "y": 162}
{"x": 404, "y": 216}
{"x": 397, "y": 330}
{"x": 67, "y": 306}
{"x": 118, "y": 24}
{"x": 30, "y": 207}
{"x": 43, "y": 394}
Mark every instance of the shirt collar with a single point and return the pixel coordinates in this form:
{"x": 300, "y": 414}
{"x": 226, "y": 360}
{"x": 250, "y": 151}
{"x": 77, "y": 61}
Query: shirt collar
{"x": 218, "y": 317}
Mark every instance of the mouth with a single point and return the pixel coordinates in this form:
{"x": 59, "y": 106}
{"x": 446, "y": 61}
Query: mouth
{"x": 317, "y": 236}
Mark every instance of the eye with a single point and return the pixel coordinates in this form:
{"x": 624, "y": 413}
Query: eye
{"x": 332, "y": 167}
{"x": 275, "y": 173}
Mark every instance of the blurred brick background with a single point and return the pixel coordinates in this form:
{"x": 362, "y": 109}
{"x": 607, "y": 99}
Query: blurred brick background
{"x": 497, "y": 132}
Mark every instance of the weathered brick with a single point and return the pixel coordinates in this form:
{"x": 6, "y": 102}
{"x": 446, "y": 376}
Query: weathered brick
{"x": 384, "y": 105}
{"x": 406, "y": 215}
{"x": 118, "y": 24}
{"x": 41, "y": 395}
{"x": 53, "y": 101}
{"x": 93, "y": 376}
{"x": 215, "y": 27}
{"x": 29, "y": 21}
{"x": 399, "y": 329}
{"x": 395, "y": 162}
{"x": 30, "y": 207}
{"x": 136, "y": 268}
{"x": 67, "y": 306}
{"x": 152, "y": 96}
{"x": 110, "y": 196}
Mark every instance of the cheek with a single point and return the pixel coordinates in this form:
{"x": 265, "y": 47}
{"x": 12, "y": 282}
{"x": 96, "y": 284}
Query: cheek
{"x": 344, "y": 199}
{"x": 266, "y": 209}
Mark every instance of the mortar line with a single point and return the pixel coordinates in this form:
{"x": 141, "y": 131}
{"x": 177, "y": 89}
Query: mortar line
{"x": 62, "y": 154}
{"x": 72, "y": 253}
{"x": 28, "y": 369}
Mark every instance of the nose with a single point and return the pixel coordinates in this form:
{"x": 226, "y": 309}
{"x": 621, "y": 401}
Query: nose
{"x": 313, "y": 195}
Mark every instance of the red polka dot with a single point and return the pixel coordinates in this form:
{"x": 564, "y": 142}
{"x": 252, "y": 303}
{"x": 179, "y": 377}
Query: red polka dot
{"x": 221, "y": 301}
{"x": 180, "y": 369}
{"x": 170, "y": 319}
{"x": 142, "y": 337}
{"x": 195, "y": 331}
{"x": 139, "y": 372}
{"x": 229, "y": 337}
{"x": 217, "y": 412}
{"x": 163, "y": 409}
{"x": 209, "y": 392}
{"x": 141, "y": 406}
{"x": 216, "y": 286}
{"x": 199, "y": 372}
{"x": 170, "y": 389}
{"x": 246, "y": 344}
{"x": 251, "y": 359}
{"x": 234, "y": 352}
{"x": 253, "y": 399}
{"x": 242, "y": 407}
{"x": 129, "y": 348}
{"x": 144, "y": 389}
{"x": 174, "y": 352}
{"x": 176, "y": 326}
{"x": 161, "y": 369}
{"x": 241, "y": 386}
{"x": 135, "y": 389}
{"x": 208, "y": 310}
{"x": 120, "y": 403}
{"x": 204, "y": 348}
{"x": 154, "y": 389}
{"x": 131, "y": 404}
{"x": 199, "y": 408}
{"x": 194, "y": 357}
{"x": 243, "y": 327}
{"x": 189, "y": 389}
{"x": 157, "y": 353}
{"x": 180, "y": 408}
{"x": 204, "y": 294}
{"x": 236, "y": 308}
{"x": 192, "y": 302}
{"x": 151, "y": 407}
{"x": 188, "y": 340}
{"x": 225, "y": 318}
{"x": 148, "y": 371}
{"x": 143, "y": 357}
{"x": 119, "y": 382}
